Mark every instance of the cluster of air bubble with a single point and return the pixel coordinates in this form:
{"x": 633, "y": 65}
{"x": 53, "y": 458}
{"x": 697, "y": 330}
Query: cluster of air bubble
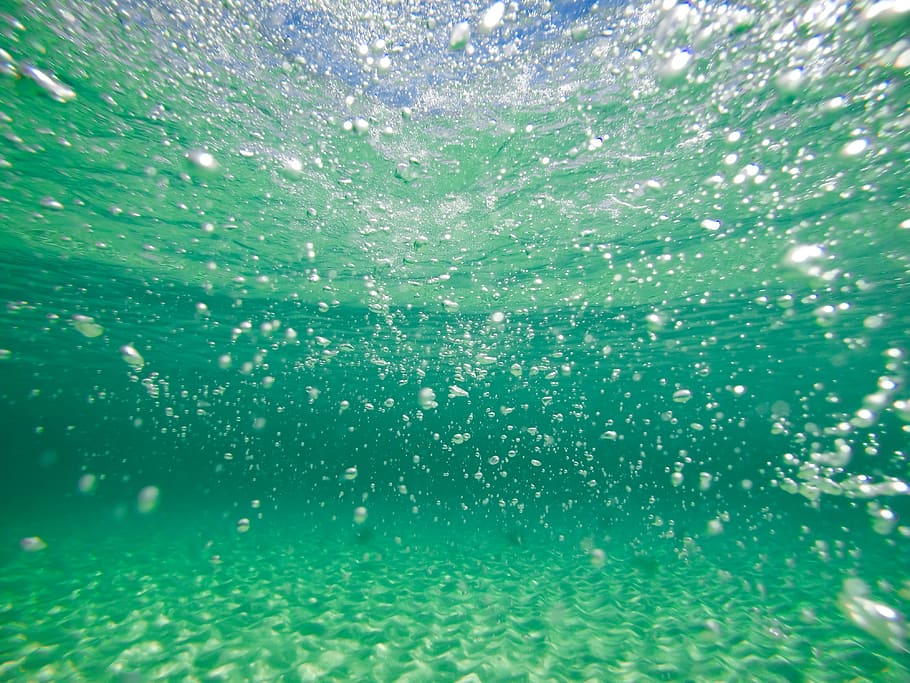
{"x": 408, "y": 148}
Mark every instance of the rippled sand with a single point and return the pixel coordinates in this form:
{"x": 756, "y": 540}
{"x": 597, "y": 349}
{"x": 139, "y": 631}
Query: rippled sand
{"x": 186, "y": 602}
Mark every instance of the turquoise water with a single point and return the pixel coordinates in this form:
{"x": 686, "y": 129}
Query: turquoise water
{"x": 359, "y": 341}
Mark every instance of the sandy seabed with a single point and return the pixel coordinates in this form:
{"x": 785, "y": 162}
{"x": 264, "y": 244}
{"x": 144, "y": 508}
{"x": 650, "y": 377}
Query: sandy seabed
{"x": 150, "y": 602}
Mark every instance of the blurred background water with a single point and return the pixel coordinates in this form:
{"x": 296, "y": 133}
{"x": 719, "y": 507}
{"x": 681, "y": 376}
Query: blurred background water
{"x": 553, "y": 294}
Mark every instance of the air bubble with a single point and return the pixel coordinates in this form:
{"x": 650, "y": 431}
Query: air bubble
{"x": 492, "y": 17}
{"x": 132, "y": 357}
{"x": 460, "y": 36}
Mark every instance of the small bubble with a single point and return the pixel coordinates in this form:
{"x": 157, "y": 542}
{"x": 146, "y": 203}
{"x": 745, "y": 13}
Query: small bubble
{"x": 855, "y": 147}
{"x": 715, "y": 527}
{"x": 131, "y": 356}
{"x": 426, "y": 397}
{"x": 682, "y": 396}
{"x": 710, "y": 224}
{"x": 790, "y": 81}
{"x": 360, "y": 515}
{"x": 147, "y": 500}
{"x": 51, "y": 203}
{"x": 243, "y": 525}
{"x": 32, "y": 544}
{"x": 361, "y": 125}
{"x": 460, "y": 36}
{"x": 86, "y": 326}
{"x": 202, "y": 159}
{"x": 87, "y": 483}
{"x": 677, "y": 65}
{"x": 805, "y": 253}
{"x": 492, "y": 17}
{"x": 293, "y": 166}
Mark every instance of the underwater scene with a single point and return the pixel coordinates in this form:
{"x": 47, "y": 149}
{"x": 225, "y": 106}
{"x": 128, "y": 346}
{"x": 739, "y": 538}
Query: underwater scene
{"x": 364, "y": 340}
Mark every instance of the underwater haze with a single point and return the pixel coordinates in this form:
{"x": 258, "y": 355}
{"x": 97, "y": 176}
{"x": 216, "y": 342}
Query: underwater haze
{"x": 468, "y": 342}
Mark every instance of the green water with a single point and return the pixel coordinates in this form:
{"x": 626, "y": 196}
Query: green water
{"x": 333, "y": 351}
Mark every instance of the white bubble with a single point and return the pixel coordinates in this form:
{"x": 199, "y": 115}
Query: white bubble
{"x": 804, "y": 253}
{"x": 147, "y": 499}
{"x": 87, "y": 483}
{"x": 32, "y": 544}
{"x": 886, "y": 11}
{"x": 50, "y": 84}
{"x": 131, "y": 356}
{"x": 350, "y": 473}
{"x": 457, "y": 392}
{"x": 460, "y": 36}
{"x": 710, "y": 224}
{"x": 360, "y": 515}
{"x": 677, "y": 63}
{"x": 51, "y": 203}
{"x": 293, "y": 166}
{"x": 884, "y": 520}
{"x": 682, "y": 396}
{"x": 202, "y": 159}
{"x": 427, "y": 398}
{"x": 878, "y": 619}
{"x": 243, "y": 525}
{"x": 855, "y": 147}
{"x": 492, "y": 17}
{"x": 715, "y": 527}
{"x": 86, "y": 326}
{"x": 790, "y": 81}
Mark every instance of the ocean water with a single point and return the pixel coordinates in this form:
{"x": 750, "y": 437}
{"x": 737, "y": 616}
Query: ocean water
{"x": 536, "y": 341}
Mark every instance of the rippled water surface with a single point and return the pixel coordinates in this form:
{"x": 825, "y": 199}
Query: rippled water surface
{"x": 467, "y": 342}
